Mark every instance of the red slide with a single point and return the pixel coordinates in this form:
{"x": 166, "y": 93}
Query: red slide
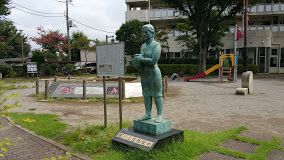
{"x": 199, "y": 75}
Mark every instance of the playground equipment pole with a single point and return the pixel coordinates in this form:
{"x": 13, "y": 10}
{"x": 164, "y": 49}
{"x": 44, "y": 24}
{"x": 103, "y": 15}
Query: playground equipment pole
{"x": 245, "y": 35}
{"x": 235, "y": 53}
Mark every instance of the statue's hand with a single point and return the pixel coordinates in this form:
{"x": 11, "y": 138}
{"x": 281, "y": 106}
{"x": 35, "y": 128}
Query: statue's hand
{"x": 138, "y": 57}
{"x": 137, "y": 61}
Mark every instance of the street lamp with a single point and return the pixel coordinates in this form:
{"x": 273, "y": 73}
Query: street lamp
{"x": 22, "y": 42}
{"x": 108, "y": 37}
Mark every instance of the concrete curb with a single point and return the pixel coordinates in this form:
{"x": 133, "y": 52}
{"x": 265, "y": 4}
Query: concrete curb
{"x": 54, "y": 143}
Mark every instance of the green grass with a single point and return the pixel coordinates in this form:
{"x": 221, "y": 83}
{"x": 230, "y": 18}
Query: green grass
{"x": 17, "y": 80}
{"x": 95, "y": 141}
{"x": 11, "y": 86}
{"x": 46, "y": 125}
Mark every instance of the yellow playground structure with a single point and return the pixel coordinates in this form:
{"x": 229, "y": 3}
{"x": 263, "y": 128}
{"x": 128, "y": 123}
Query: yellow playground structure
{"x": 226, "y": 67}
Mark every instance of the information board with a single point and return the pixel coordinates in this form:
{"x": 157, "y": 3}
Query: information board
{"x": 110, "y": 60}
{"x": 31, "y": 67}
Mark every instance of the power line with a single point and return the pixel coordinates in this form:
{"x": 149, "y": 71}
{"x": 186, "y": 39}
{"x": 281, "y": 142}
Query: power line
{"x": 34, "y": 10}
{"x": 24, "y": 25}
{"x": 34, "y": 13}
{"x": 92, "y": 27}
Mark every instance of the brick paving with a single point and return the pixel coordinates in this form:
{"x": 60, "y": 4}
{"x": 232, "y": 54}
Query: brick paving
{"x": 217, "y": 156}
{"x": 26, "y": 146}
{"x": 239, "y": 146}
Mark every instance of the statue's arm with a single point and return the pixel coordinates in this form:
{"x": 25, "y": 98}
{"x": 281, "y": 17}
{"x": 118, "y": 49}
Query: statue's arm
{"x": 155, "y": 56}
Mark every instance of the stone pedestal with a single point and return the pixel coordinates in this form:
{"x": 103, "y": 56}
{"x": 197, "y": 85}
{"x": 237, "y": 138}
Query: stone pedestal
{"x": 148, "y": 135}
{"x": 150, "y": 127}
{"x": 131, "y": 138}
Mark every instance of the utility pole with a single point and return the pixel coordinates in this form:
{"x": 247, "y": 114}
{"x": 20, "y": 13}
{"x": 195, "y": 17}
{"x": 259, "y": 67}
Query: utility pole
{"x": 245, "y": 49}
{"x": 68, "y": 30}
{"x": 149, "y": 12}
{"x": 22, "y": 42}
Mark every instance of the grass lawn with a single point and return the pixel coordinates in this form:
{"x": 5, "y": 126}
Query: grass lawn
{"x": 46, "y": 125}
{"x": 95, "y": 141}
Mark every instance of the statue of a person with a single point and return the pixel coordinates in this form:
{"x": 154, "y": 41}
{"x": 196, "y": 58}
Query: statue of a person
{"x": 151, "y": 78}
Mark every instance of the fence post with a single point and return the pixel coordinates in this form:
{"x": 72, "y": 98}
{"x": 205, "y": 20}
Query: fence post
{"x": 37, "y": 85}
{"x": 46, "y": 90}
{"x": 84, "y": 89}
{"x": 164, "y": 87}
{"x": 123, "y": 89}
{"x": 55, "y": 78}
{"x": 166, "y": 83}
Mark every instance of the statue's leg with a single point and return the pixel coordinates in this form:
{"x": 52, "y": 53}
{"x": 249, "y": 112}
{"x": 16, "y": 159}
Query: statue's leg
{"x": 159, "y": 105}
{"x": 148, "y": 108}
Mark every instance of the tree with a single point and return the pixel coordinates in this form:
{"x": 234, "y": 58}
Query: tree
{"x": 162, "y": 37}
{"x": 4, "y": 9}
{"x": 79, "y": 41}
{"x": 131, "y": 34}
{"x": 207, "y": 20}
{"x": 52, "y": 41}
{"x": 11, "y": 41}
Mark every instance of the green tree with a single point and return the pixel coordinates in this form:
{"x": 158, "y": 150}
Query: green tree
{"x": 162, "y": 37}
{"x": 131, "y": 34}
{"x": 207, "y": 21}
{"x": 11, "y": 41}
{"x": 4, "y": 9}
{"x": 79, "y": 41}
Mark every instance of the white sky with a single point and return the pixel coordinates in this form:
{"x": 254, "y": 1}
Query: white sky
{"x": 107, "y": 15}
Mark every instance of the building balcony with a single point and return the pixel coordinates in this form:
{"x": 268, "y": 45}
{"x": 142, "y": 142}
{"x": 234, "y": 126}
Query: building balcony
{"x": 141, "y": 15}
{"x": 270, "y": 8}
{"x": 166, "y": 13}
{"x": 272, "y": 28}
{"x": 132, "y": 1}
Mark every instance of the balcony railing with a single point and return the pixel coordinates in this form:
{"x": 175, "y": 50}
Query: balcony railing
{"x": 169, "y": 13}
{"x": 267, "y": 8}
{"x": 273, "y": 28}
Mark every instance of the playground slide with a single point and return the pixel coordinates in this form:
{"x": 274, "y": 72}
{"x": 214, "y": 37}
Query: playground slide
{"x": 203, "y": 74}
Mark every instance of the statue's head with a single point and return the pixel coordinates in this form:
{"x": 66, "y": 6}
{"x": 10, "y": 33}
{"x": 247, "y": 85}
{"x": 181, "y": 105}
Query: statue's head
{"x": 148, "y": 31}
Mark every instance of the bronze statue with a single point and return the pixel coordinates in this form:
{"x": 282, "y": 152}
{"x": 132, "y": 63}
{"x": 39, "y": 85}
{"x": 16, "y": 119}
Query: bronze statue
{"x": 151, "y": 78}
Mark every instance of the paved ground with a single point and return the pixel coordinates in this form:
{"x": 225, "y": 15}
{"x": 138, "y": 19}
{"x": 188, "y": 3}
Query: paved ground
{"x": 26, "y": 146}
{"x": 204, "y": 106}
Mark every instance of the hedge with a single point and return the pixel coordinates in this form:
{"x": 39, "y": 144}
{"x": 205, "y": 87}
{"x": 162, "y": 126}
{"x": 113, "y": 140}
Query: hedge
{"x": 7, "y": 70}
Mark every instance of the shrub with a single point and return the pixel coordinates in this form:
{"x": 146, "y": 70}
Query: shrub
{"x": 251, "y": 67}
{"x": 7, "y": 70}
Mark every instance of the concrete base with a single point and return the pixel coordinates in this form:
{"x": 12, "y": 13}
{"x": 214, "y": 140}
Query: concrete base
{"x": 241, "y": 91}
{"x": 150, "y": 127}
{"x": 131, "y": 138}
{"x": 247, "y": 81}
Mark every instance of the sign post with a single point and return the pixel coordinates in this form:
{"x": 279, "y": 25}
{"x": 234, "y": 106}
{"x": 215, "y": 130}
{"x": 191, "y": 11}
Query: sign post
{"x": 31, "y": 68}
{"x": 110, "y": 62}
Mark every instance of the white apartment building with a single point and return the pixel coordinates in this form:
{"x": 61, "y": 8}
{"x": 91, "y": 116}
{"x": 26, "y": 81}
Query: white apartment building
{"x": 265, "y": 31}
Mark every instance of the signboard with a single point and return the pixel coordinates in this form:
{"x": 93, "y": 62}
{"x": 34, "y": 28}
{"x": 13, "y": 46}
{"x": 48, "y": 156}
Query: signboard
{"x": 31, "y": 67}
{"x": 110, "y": 60}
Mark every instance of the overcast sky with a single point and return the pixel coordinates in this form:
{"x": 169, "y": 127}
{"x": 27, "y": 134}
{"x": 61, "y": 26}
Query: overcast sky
{"x": 107, "y": 15}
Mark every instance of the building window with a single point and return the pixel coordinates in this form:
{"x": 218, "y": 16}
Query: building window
{"x": 273, "y": 61}
{"x": 282, "y": 58}
{"x": 274, "y": 52}
{"x": 177, "y": 55}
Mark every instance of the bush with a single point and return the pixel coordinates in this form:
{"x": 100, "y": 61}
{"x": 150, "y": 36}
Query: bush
{"x": 186, "y": 61}
{"x": 168, "y": 69}
{"x": 251, "y": 67}
{"x": 50, "y": 70}
{"x": 7, "y": 70}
